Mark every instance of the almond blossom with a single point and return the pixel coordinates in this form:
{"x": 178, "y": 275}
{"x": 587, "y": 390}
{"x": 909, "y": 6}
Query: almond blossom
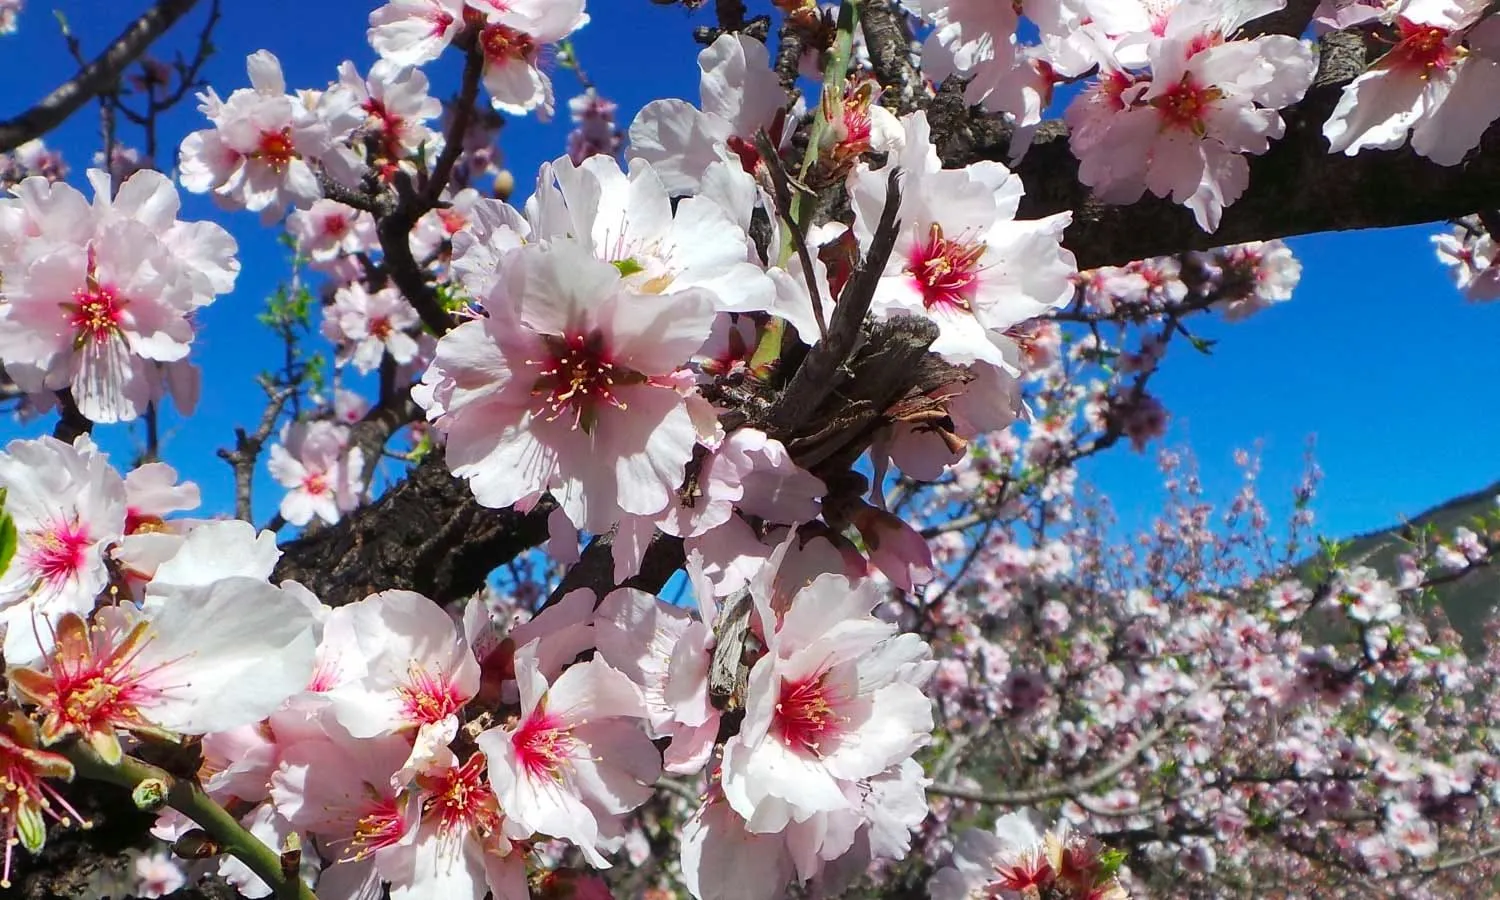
{"x": 961, "y": 257}
{"x": 412, "y": 32}
{"x": 740, "y": 96}
{"x": 577, "y": 757}
{"x": 322, "y": 474}
{"x": 464, "y": 843}
{"x": 567, "y": 385}
{"x": 68, "y": 505}
{"x": 27, "y": 796}
{"x": 1182, "y": 130}
{"x": 397, "y": 108}
{"x": 417, "y": 670}
{"x": 367, "y": 325}
{"x": 261, "y": 152}
{"x": 835, "y": 699}
{"x": 1440, "y": 82}
{"x": 100, "y": 298}
{"x": 629, "y": 220}
{"x": 511, "y": 39}
{"x": 182, "y": 667}
{"x": 328, "y": 229}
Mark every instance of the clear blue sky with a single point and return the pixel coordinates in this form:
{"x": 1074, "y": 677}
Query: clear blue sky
{"x": 1376, "y": 355}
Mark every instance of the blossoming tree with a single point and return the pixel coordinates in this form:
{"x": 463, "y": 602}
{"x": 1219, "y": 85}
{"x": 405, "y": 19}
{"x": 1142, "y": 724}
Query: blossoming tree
{"x": 737, "y": 548}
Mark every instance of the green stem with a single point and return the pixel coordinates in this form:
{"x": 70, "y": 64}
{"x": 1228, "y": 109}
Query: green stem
{"x": 835, "y": 73}
{"x": 187, "y": 798}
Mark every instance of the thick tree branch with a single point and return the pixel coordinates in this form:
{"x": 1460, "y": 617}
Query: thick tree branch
{"x": 99, "y": 75}
{"x": 1296, "y": 188}
{"x": 890, "y": 54}
{"x": 1292, "y": 19}
{"x": 426, "y": 534}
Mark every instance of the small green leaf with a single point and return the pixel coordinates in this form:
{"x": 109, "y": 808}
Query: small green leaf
{"x": 628, "y": 267}
{"x": 8, "y": 536}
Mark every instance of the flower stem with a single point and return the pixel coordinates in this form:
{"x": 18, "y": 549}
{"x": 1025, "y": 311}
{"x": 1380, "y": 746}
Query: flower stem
{"x": 187, "y": 798}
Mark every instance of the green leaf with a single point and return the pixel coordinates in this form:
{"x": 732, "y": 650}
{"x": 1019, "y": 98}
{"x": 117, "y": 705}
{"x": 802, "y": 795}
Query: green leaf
{"x": 8, "y": 537}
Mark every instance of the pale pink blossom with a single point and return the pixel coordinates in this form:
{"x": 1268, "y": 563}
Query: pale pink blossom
{"x": 209, "y": 659}
{"x": 1440, "y": 82}
{"x": 1181, "y": 132}
{"x": 397, "y": 107}
{"x": 577, "y": 758}
{"x": 366, "y": 326}
{"x": 68, "y": 505}
{"x": 322, "y": 474}
{"x": 418, "y": 671}
{"x": 412, "y": 32}
{"x": 512, "y": 38}
{"x": 741, "y": 95}
{"x": 568, "y": 385}
{"x": 834, "y": 700}
{"x": 156, "y": 875}
{"x": 264, "y": 145}
{"x": 660, "y": 247}
{"x": 961, "y": 257}
{"x": 328, "y": 229}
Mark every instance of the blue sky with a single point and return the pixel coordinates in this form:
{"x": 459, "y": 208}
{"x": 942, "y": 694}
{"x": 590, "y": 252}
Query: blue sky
{"x": 1376, "y": 356}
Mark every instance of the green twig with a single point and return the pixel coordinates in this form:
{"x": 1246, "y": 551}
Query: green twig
{"x": 146, "y": 781}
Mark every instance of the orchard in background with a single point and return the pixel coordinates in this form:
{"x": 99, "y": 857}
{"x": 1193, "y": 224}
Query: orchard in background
{"x": 716, "y": 529}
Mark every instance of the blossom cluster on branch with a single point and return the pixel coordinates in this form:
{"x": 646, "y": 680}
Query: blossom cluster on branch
{"x": 788, "y": 348}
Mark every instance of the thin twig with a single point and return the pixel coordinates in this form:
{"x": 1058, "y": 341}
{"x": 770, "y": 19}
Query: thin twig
{"x": 95, "y": 77}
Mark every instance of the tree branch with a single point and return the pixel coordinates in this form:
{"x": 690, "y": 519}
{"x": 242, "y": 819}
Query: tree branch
{"x": 1296, "y": 188}
{"x": 95, "y": 77}
{"x": 426, "y": 534}
{"x": 890, "y": 55}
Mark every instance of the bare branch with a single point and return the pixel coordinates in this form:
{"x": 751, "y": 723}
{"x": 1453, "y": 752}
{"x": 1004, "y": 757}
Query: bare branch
{"x": 94, "y": 78}
{"x": 890, "y": 54}
{"x": 247, "y": 450}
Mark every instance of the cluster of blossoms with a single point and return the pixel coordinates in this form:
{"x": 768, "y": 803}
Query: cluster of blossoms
{"x": 1178, "y": 95}
{"x": 432, "y": 752}
{"x": 99, "y": 298}
{"x": 1187, "y": 697}
{"x": 1177, "y": 99}
{"x": 615, "y": 356}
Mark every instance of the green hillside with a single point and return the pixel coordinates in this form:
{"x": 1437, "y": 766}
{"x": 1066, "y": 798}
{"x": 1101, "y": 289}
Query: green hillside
{"x": 1466, "y": 601}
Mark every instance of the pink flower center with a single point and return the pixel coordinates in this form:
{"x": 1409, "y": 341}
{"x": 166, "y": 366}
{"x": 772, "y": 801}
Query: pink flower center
{"x": 276, "y": 149}
{"x": 1031, "y": 872}
{"x": 380, "y": 327}
{"x": 578, "y": 377}
{"x": 946, "y": 271}
{"x": 335, "y": 226}
{"x": 804, "y": 714}
{"x": 316, "y": 484}
{"x": 383, "y": 826}
{"x": 428, "y": 698}
{"x": 502, "y": 44}
{"x": 542, "y": 743}
{"x": 1421, "y": 47}
{"x": 453, "y": 220}
{"x": 97, "y": 311}
{"x": 1185, "y": 105}
{"x": 462, "y": 799}
{"x": 59, "y": 553}
{"x": 26, "y": 798}
{"x": 92, "y": 683}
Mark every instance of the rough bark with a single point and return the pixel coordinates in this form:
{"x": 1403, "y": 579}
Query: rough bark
{"x": 426, "y": 534}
